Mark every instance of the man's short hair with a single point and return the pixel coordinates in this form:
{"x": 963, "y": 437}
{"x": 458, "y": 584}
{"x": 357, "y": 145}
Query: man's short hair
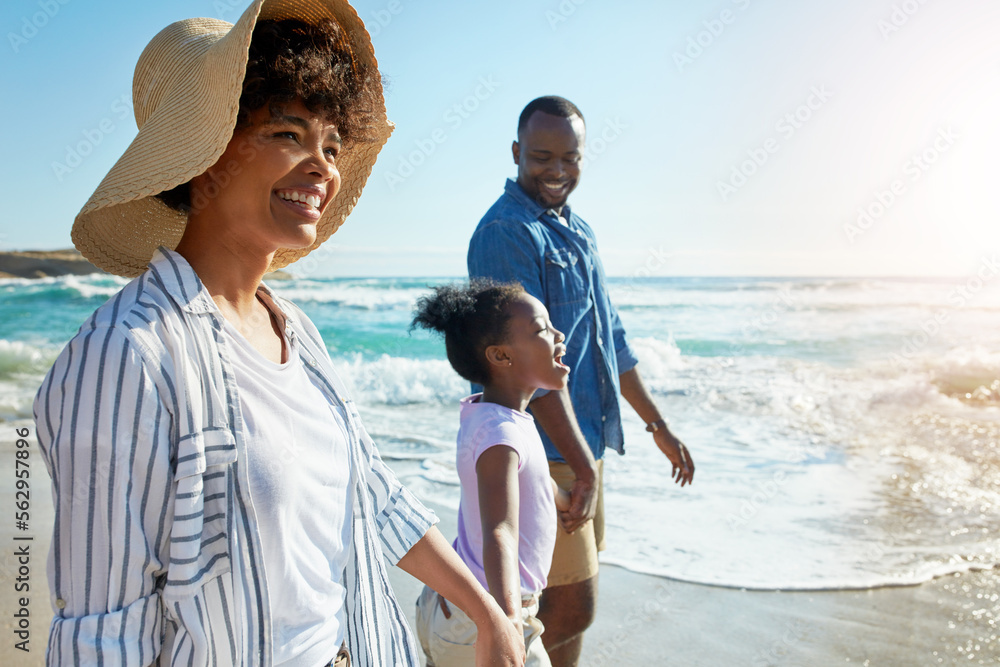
{"x": 550, "y": 104}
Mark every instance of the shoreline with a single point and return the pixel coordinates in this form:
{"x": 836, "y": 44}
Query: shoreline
{"x": 847, "y": 588}
{"x": 642, "y": 619}
{"x": 645, "y": 619}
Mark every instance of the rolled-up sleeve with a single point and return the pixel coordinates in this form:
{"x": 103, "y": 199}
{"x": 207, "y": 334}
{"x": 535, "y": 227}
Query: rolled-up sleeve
{"x": 623, "y": 351}
{"x": 104, "y": 435}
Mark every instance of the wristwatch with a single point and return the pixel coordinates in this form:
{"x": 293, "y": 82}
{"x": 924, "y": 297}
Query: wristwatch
{"x": 652, "y": 427}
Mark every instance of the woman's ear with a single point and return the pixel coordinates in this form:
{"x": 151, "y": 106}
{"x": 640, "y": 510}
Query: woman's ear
{"x": 498, "y": 355}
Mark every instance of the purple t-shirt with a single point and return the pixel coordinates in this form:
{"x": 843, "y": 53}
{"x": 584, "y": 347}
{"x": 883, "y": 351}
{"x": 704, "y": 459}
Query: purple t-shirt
{"x": 484, "y": 425}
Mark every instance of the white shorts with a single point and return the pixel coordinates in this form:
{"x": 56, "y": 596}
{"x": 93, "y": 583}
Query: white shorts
{"x": 451, "y": 642}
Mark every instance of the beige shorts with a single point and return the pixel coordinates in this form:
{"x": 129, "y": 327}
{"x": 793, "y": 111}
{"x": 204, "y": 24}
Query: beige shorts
{"x": 343, "y": 658}
{"x": 451, "y": 641}
{"x": 575, "y": 556}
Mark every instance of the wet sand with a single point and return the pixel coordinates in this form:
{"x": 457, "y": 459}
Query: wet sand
{"x": 646, "y": 620}
{"x": 642, "y": 620}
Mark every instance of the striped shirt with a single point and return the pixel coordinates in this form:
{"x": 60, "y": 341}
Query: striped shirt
{"x": 156, "y": 556}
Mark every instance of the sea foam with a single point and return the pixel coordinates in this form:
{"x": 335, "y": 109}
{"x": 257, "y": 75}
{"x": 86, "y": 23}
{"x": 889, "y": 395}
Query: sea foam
{"x": 845, "y": 431}
{"x": 18, "y": 358}
{"x": 399, "y": 380}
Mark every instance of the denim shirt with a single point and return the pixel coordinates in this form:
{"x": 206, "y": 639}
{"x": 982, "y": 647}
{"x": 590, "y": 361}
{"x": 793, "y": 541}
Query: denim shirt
{"x": 558, "y": 264}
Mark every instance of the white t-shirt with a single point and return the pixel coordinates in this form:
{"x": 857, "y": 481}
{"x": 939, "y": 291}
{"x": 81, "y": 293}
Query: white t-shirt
{"x": 485, "y": 425}
{"x": 299, "y": 473}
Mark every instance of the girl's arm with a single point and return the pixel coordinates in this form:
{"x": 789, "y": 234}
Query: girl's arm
{"x": 435, "y": 563}
{"x": 496, "y": 470}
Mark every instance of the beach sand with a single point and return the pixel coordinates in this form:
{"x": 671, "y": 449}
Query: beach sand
{"x": 642, "y": 620}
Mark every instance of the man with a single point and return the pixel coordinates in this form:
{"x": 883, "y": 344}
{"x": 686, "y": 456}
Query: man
{"x": 530, "y": 235}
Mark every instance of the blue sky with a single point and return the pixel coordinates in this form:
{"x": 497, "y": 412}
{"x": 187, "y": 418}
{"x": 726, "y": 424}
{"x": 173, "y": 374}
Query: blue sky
{"x": 726, "y": 137}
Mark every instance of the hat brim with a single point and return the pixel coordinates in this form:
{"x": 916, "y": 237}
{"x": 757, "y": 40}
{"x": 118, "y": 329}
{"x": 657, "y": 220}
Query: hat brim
{"x": 187, "y": 131}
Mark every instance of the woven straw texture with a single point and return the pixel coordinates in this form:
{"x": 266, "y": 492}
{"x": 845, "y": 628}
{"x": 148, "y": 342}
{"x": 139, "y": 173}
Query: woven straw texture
{"x": 186, "y": 92}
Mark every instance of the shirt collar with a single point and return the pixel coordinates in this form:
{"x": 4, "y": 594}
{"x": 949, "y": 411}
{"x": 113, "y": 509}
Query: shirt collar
{"x": 183, "y": 285}
{"x": 531, "y": 206}
{"x": 181, "y": 282}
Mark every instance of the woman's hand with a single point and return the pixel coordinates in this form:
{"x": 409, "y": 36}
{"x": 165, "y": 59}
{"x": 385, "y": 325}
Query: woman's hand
{"x": 500, "y": 642}
{"x": 434, "y": 562}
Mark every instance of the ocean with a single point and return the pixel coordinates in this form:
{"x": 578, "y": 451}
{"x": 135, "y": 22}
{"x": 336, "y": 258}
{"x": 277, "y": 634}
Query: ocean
{"x": 844, "y": 430}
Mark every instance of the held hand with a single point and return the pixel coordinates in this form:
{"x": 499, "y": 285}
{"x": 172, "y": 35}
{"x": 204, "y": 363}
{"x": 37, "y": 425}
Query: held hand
{"x": 562, "y": 498}
{"x": 680, "y": 457}
{"x": 582, "y": 507}
{"x": 500, "y": 643}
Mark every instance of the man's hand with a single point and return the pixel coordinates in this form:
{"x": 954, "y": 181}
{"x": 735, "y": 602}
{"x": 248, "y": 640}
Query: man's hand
{"x": 554, "y": 413}
{"x": 582, "y": 506}
{"x": 635, "y": 392}
{"x": 678, "y": 454}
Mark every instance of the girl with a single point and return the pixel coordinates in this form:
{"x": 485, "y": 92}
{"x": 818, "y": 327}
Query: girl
{"x": 499, "y": 336}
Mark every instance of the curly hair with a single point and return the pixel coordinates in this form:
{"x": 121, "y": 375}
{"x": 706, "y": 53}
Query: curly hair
{"x": 471, "y": 317}
{"x": 294, "y": 60}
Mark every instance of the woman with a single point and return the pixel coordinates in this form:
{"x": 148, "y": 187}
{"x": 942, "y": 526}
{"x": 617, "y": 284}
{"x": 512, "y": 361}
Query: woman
{"x": 217, "y": 498}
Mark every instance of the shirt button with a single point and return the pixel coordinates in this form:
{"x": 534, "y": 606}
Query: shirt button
{"x": 60, "y": 603}
{"x": 604, "y": 418}
{"x": 600, "y": 342}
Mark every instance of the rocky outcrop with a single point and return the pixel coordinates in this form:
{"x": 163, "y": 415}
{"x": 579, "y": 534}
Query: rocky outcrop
{"x": 44, "y": 264}
{"x": 52, "y": 263}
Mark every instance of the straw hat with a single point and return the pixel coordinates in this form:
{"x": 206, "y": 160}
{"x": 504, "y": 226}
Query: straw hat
{"x": 186, "y": 93}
